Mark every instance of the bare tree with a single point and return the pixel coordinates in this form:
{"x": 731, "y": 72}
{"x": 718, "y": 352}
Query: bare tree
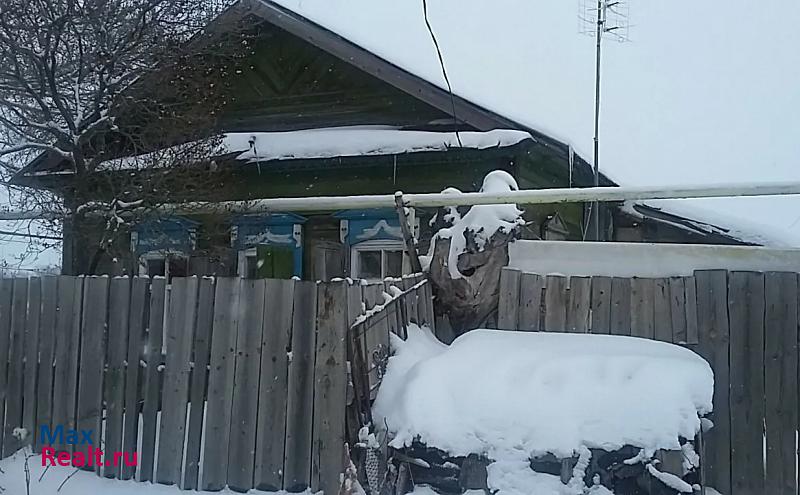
{"x": 86, "y": 83}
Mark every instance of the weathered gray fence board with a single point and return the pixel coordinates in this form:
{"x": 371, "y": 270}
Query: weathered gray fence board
{"x": 555, "y": 310}
{"x": 355, "y": 302}
{"x": 692, "y": 336}
{"x": 272, "y": 394}
{"x": 66, "y": 360}
{"x": 642, "y": 306}
{"x": 118, "y": 316}
{"x": 220, "y": 383}
{"x": 427, "y": 297}
{"x": 508, "y": 307}
{"x": 44, "y": 392}
{"x": 412, "y": 301}
{"x": 330, "y": 389}
{"x": 620, "y": 306}
{"x": 6, "y": 292}
{"x": 180, "y": 332}
{"x": 90, "y": 378}
{"x": 712, "y": 325}
{"x": 392, "y": 309}
{"x": 580, "y": 293}
{"x": 31, "y": 371}
{"x": 677, "y": 309}
{"x": 530, "y": 302}
{"x": 377, "y": 337}
{"x": 781, "y": 377}
{"x": 662, "y": 310}
{"x": 136, "y": 327}
{"x": 197, "y": 389}
{"x": 245, "y": 395}
{"x": 746, "y": 312}
{"x": 300, "y": 403}
{"x": 152, "y": 389}
{"x": 601, "y": 305}
{"x": 13, "y": 419}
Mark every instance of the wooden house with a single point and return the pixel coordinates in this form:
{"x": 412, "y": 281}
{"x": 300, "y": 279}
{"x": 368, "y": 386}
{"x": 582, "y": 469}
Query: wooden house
{"x": 314, "y": 114}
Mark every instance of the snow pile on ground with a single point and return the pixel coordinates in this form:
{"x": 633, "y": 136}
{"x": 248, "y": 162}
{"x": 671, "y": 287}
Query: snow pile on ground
{"x": 70, "y": 481}
{"x": 511, "y": 395}
{"x": 481, "y": 221}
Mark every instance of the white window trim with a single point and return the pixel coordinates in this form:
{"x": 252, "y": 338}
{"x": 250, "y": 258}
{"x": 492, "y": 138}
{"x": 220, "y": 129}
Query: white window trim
{"x": 241, "y": 265}
{"x": 375, "y": 245}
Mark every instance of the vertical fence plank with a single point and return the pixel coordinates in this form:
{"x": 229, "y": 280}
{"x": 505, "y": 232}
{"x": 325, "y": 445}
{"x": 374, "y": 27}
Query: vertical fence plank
{"x": 300, "y": 403}
{"x": 180, "y": 332}
{"x": 713, "y": 329}
{"x": 66, "y": 360}
{"x": 136, "y": 330}
{"x": 690, "y": 286}
{"x": 44, "y": 392}
{"x": 6, "y": 292}
{"x": 391, "y": 309}
{"x": 220, "y": 383}
{"x": 530, "y": 301}
{"x": 118, "y": 316}
{"x": 642, "y": 306}
{"x": 245, "y": 394}
{"x": 746, "y": 312}
{"x": 620, "y": 306}
{"x": 662, "y": 310}
{"x": 555, "y": 310}
{"x": 508, "y": 306}
{"x": 31, "y": 372}
{"x": 197, "y": 393}
{"x": 355, "y": 301}
{"x": 412, "y": 300}
{"x": 272, "y": 394}
{"x": 377, "y": 336}
{"x": 152, "y": 389}
{"x": 677, "y": 309}
{"x": 13, "y": 420}
{"x": 90, "y": 377}
{"x": 580, "y": 293}
{"x": 601, "y": 305}
{"x": 427, "y": 297}
{"x": 781, "y": 376}
{"x": 330, "y": 383}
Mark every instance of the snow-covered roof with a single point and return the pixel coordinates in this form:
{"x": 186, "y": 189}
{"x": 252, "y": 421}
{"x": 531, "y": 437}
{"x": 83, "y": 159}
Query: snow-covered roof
{"x": 331, "y": 142}
{"x": 513, "y": 395}
{"x": 704, "y": 221}
{"x": 664, "y": 122}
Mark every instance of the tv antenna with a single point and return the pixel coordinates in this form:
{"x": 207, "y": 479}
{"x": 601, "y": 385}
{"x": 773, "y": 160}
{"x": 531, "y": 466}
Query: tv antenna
{"x": 605, "y": 18}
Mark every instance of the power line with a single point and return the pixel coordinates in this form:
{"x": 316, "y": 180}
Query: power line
{"x": 444, "y": 71}
{"x": 32, "y": 236}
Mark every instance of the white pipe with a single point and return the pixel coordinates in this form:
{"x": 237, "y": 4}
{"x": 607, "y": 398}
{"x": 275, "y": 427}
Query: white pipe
{"x": 527, "y": 196}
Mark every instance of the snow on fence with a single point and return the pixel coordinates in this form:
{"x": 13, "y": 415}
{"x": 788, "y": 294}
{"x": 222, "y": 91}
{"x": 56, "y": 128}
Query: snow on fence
{"x": 745, "y": 324}
{"x": 263, "y": 362}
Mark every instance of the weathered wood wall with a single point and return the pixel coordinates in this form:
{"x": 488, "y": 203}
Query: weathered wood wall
{"x": 745, "y": 324}
{"x": 254, "y": 370}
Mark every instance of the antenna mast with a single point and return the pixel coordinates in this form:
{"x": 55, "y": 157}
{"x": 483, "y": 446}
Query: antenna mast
{"x": 607, "y": 17}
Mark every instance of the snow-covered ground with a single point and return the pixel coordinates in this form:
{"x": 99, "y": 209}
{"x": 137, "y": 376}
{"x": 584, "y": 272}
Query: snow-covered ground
{"x": 517, "y": 395}
{"x": 57, "y": 480}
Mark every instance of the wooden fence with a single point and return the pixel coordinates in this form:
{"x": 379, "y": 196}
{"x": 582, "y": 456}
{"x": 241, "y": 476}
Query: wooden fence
{"x": 212, "y": 382}
{"x": 745, "y": 324}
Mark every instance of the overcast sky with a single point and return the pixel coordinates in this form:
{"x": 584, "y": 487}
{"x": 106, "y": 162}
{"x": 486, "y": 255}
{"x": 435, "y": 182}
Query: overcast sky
{"x": 705, "y": 92}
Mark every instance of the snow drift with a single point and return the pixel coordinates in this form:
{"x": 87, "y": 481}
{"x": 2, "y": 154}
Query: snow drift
{"x": 513, "y": 395}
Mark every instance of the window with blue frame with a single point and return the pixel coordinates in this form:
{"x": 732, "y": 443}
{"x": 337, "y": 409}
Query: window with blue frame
{"x": 268, "y": 246}
{"x": 374, "y": 240}
{"x": 162, "y": 246}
